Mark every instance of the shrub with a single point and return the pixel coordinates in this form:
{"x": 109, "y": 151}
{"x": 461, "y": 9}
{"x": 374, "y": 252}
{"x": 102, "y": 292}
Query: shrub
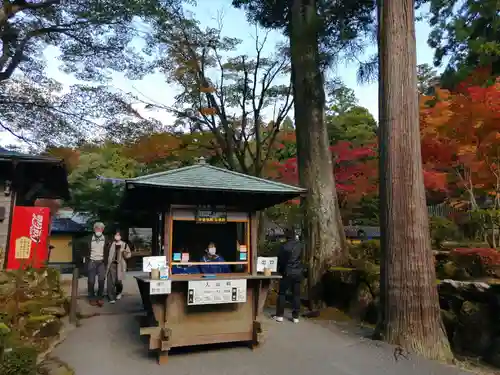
{"x": 442, "y": 229}
{"x": 367, "y": 250}
{"x": 18, "y": 361}
{"x": 476, "y": 261}
{"x": 270, "y": 248}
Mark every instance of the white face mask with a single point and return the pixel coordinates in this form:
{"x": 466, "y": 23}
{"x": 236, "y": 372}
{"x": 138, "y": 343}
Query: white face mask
{"x": 211, "y": 250}
{"x": 118, "y": 238}
{"x": 98, "y": 234}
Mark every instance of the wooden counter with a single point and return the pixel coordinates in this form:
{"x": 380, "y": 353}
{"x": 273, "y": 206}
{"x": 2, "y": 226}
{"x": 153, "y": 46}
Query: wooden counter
{"x": 174, "y": 323}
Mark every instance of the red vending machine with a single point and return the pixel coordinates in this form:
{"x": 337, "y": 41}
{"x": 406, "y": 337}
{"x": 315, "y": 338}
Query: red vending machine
{"x": 29, "y": 233}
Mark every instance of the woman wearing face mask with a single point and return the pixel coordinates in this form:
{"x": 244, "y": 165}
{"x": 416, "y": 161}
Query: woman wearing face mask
{"x": 212, "y": 256}
{"x": 116, "y": 267}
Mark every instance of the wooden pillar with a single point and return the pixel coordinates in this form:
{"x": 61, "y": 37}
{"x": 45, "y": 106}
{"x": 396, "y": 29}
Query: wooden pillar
{"x": 167, "y": 233}
{"x": 16, "y": 183}
{"x": 154, "y": 238}
{"x": 6, "y": 206}
{"x": 254, "y": 241}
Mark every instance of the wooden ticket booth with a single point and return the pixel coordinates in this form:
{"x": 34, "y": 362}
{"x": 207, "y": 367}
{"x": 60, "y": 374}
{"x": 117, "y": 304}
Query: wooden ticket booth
{"x": 211, "y": 296}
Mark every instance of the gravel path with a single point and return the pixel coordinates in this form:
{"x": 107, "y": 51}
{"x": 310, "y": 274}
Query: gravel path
{"x": 110, "y": 344}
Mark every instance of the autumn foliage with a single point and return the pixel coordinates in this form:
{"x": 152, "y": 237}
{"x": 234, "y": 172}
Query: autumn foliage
{"x": 355, "y": 169}
{"x": 460, "y": 134}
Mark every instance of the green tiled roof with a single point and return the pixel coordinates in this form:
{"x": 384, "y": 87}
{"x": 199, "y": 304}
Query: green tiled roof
{"x": 207, "y": 177}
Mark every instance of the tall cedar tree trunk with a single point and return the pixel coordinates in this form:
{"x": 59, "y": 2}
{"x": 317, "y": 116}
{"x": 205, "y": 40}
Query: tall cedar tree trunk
{"x": 411, "y": 309}
{"x": 323, "y": 230}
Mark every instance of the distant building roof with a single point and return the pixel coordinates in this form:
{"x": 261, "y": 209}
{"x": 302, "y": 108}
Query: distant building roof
{"x": 65, "y": 225}
{"x": 11, "y": 155}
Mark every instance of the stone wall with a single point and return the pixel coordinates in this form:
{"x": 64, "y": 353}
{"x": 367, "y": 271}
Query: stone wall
{"x": 470, "y": 310}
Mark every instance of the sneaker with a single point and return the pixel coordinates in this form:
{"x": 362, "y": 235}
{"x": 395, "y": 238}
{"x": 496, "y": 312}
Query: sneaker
{"x": 295, "y": 320}
{"x": 278, "y": 318}
{"x": 112, "y": 302}
{"x": 119, "y": 297}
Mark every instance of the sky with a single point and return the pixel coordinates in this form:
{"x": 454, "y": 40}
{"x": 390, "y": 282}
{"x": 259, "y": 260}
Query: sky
{"x": 235, "y": 25}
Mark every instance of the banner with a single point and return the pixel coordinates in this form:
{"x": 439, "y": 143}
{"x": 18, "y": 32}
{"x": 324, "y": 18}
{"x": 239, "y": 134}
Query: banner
{"x": 29, "y": 233}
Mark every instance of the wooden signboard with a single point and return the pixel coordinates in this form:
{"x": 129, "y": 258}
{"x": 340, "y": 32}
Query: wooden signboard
{"x": 213, "y": 292}
{"x": 211, "y": 214}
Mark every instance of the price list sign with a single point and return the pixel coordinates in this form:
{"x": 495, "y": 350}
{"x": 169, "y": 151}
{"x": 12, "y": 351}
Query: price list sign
{"x": 157, "y": 287}
{"x": 213, "y": 292}
{"x": 211, "y": 215}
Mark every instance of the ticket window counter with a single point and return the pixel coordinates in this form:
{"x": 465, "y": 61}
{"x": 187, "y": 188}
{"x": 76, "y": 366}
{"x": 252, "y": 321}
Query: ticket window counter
{"x": 209, "y": 247}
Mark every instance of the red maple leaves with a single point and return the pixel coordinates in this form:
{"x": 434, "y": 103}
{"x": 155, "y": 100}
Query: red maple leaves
{"x": 355, "y": 170}
{"x": 460, "y": 134}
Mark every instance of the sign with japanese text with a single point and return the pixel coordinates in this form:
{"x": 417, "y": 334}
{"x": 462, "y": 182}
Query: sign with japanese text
{"x": 158, "y": 287}
{"x": 213, "y": 292}
{"x": 157, "y": 262}
{"x": 28, "y": 245}
{"x": 267, "y": 262}
{"x": 211, "y": 214}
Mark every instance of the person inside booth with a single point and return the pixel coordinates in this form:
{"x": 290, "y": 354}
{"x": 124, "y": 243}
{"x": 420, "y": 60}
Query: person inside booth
{"x": 212, "y": 256}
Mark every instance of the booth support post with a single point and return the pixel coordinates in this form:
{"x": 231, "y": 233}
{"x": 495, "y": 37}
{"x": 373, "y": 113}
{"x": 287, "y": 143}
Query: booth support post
{"x": 254, "y": 229}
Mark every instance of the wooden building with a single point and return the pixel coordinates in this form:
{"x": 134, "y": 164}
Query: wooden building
{"x": 64, "y": 235}
{"x": 210, "y": 297}
{"x": 23, "y": 179}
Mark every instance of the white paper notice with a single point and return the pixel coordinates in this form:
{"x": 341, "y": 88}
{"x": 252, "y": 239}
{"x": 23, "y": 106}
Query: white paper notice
{"x": 160, "y": 287}
{"x": 212, "y": 292}
{"x": 267, "y": 262}
{"x": 149, "y": 263}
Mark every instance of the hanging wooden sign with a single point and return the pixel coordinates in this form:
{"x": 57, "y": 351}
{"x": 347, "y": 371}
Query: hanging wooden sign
{"x": 211, "y": 215}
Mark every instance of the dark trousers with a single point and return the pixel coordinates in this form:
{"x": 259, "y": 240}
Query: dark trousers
{"x": 289, "y": 283}
{"x": 114, "y": 286}
{"x": 96, "y": 269}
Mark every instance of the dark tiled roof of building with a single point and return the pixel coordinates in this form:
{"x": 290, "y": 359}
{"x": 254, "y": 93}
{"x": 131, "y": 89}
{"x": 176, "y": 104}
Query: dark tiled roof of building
{"x": 203, "y": 176}
{"x": 65, "y": 225}
{"x": 8, "y": 154}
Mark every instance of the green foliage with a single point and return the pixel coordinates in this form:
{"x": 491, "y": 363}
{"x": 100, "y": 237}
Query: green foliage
{"x": 100, "y": 199}
{"x": 270, "y": 248}
{"x": 365, "y": 212}
{"x": 442, "y": 229}
{"x": 285, "y": 214}
{"x": 467, "y": 33}
{"x": 366, "y": 251}
{"x": 427, "y": 77}
{"x": 341, "y": 26}
{"x": 346, "y": 121}
{"x": 18, "y": 361}
{"x": 89, "y": 37}
{"x": 355, "y": 125}
{"x": 24, "y": 294}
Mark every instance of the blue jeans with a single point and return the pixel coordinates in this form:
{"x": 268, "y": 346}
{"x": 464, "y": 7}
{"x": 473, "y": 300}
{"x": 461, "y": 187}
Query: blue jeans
{"x": 96, "y": 269}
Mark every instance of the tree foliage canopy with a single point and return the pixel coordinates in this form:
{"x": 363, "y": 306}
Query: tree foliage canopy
{"x": 467, "y": 33}
{"x": 343, "y": 26}
{"x": 90, "y": 39}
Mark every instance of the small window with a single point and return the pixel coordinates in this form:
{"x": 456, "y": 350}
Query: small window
{"x": 191, "y": 240}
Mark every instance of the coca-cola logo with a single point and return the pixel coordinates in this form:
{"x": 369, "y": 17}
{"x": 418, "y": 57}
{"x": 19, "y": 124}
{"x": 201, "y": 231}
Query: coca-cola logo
{"x": 36, "y": 228}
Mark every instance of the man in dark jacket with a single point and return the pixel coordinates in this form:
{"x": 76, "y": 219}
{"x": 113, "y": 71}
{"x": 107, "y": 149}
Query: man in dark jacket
{"x": 290, "y": 267}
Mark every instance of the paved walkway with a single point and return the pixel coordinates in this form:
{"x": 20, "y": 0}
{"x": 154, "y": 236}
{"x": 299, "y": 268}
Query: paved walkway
{"x": 110, "y": 344}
